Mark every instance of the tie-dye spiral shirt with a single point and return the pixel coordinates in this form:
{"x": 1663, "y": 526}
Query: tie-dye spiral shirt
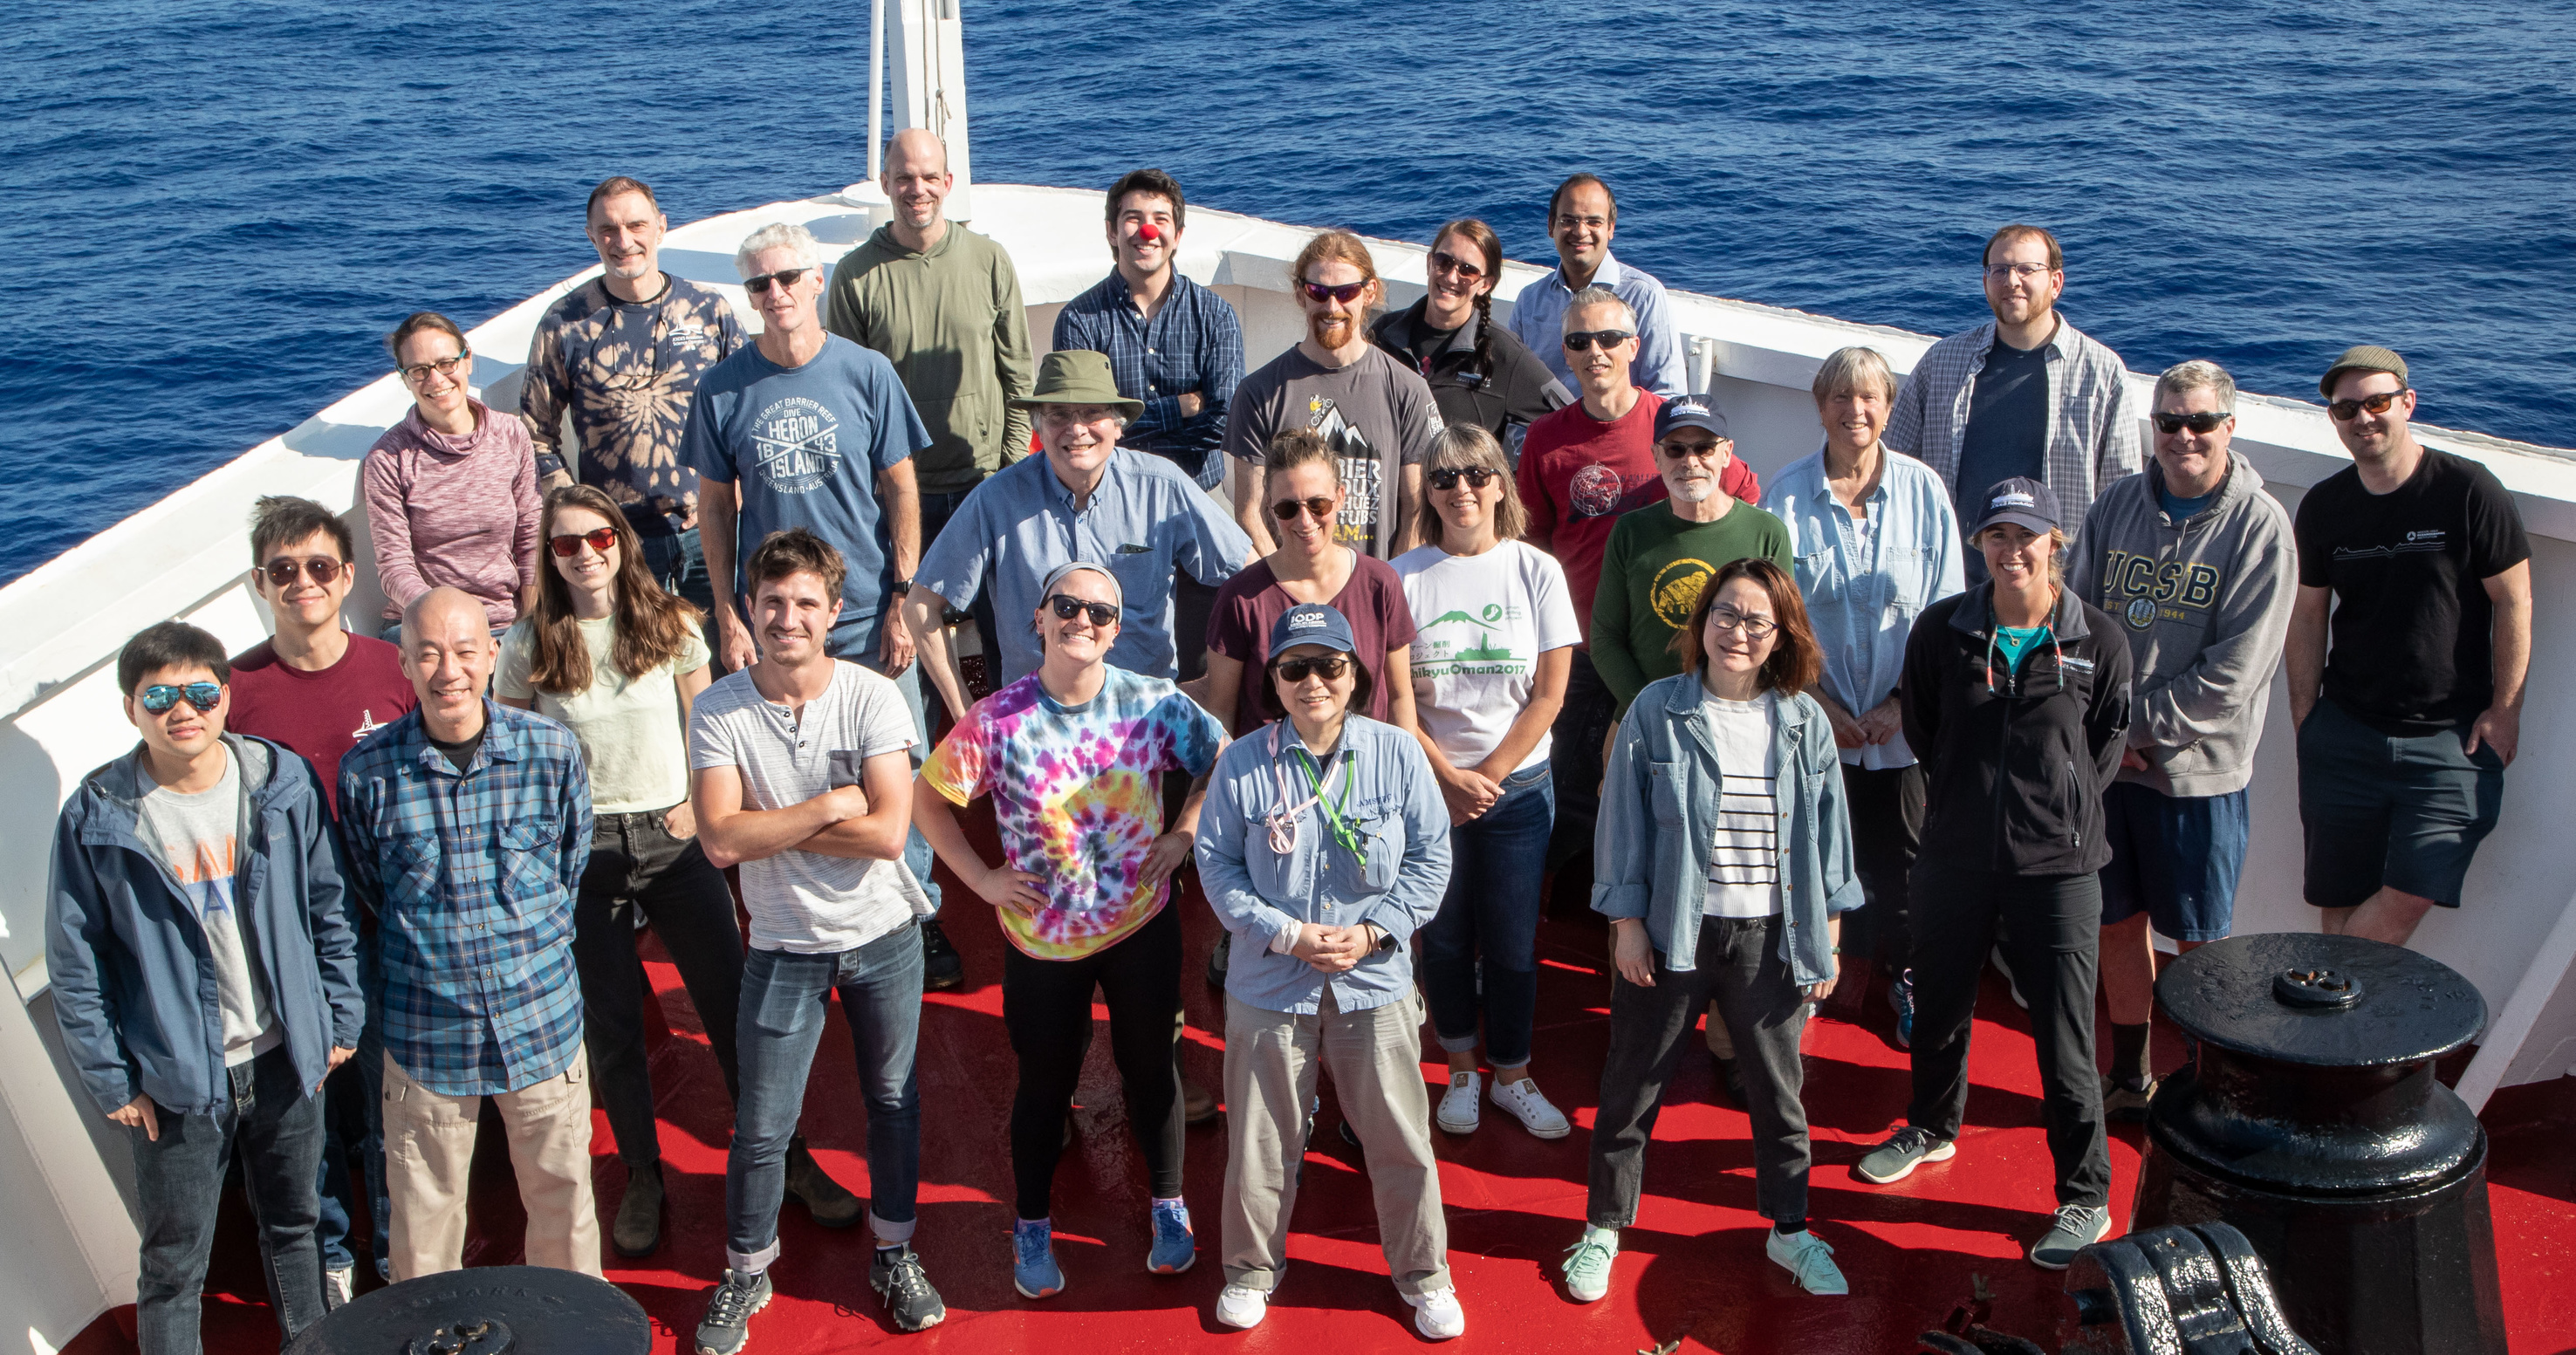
{"x": 1077, "y": 796}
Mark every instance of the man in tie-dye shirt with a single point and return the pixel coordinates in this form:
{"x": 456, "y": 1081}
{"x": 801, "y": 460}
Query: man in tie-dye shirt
{"x": 1073, "y": 755}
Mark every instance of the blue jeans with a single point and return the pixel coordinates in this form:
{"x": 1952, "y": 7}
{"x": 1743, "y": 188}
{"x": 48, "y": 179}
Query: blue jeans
{"x": 1492, "y": 906}
{"x": 353, "y": 1121}
{"x": 276, "y": 1125}
{"x": 784, "y": 999}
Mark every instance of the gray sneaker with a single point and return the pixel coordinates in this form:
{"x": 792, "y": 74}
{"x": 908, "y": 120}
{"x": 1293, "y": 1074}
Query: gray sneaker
{"x": 727, "y": 1325}
{"x": 2078, "y": 1226}
{"x": 1906, "y": 1149}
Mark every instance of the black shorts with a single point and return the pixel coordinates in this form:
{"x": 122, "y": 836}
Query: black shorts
{"x": 2391, "y": 811}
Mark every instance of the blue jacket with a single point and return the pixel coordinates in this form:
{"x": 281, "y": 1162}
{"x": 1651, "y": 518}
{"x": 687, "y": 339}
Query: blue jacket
{"x": 1658, "y": 826}
{"x": 134, "y": 985}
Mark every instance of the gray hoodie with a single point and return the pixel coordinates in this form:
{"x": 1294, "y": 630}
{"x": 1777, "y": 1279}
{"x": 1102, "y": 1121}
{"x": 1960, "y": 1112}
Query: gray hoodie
{"x": 2205, "y": 605}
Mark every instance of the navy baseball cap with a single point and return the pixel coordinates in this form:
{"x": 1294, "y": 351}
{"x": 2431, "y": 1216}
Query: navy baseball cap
{"x": 1312, "y": 623}
{"x": 2022, "y": 502}
{"x": 1690, "y": 411}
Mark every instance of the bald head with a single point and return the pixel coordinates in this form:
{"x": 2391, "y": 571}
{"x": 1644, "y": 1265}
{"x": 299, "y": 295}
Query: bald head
{"x": 441, "y": 615}
{"x": 916, "y": 178}
{"x": 916, "y": 148}
{"x": 448, "y": 652}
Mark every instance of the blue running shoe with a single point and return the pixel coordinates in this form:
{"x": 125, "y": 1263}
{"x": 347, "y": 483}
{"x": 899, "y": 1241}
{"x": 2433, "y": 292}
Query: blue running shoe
{"x": 1175, "y": 1249}
{"x": 1900, "y": 995}
{"x": 1033, "y": 1269}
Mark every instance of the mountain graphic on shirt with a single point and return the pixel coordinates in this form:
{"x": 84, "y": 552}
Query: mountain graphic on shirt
{"x": 1484, "y": 648}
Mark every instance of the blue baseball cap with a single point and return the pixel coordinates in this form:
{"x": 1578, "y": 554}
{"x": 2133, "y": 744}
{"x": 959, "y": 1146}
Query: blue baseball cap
{"x": 2022, "y": 502}
{"x": 1690, "y": 411}
{"x": 1312, "y": 623}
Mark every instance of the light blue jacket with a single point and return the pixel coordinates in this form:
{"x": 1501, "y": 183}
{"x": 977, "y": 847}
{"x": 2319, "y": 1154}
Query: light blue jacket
{"x": 1260, "y": 894}
{"x": 1658, "y": 826}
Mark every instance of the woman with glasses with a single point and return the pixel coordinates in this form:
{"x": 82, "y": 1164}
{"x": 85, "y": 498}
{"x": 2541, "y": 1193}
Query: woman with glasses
{"x": 451, "y": 491}
{"x": 2016, "y": 695}
{"x": 1324, "y": 848}
{"x": 1481, "y": 374}
{"x": 1724, "y": 861}
{"x": 1494, "y": 638}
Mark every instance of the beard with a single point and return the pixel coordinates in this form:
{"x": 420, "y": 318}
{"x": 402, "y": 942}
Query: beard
{"x": 1692, "y": 491}
{"x": 1332, "y": 331}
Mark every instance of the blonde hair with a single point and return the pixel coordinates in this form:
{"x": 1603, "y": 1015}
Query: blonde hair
{"x": 1467, "y": 446}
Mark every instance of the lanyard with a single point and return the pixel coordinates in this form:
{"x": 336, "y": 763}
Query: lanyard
{"x": 1282, "y": 822}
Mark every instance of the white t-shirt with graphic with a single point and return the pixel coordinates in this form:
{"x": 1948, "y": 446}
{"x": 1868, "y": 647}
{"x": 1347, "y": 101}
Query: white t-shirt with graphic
{"x": 1480, "y": 622}
{"x": 198, "y": 837}
{"x": 1744, "y": 865}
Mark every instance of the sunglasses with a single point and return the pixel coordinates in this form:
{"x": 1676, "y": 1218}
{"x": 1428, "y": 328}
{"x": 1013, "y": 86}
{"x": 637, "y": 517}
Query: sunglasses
{"x": 1067, "y": 607}
{"x": 419, "y": 372}
{"x": 1477, "y": 477}
{"x": 2345, "y": 411}
{"x": 1346, "y": 293}
{"x": 205, "y": 696}
{"x": 570, "y": 544}
{"x": 1582, "y": 339}
{"x": 282, "y": 571}
{"x": 2203, "y": 422}
{"x": 1286, "y": 510}
{"x": 785, "y": 277}
{"x": 1442, "y": 261}
{"x": 1328, "y": 667}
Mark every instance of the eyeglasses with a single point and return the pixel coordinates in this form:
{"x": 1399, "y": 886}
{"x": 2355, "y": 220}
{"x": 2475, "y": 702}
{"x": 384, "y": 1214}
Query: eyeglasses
{"x": 1346, "y": 293}
{"x": 419, "y": 372}
{"x": 2206, "y": 421}
{"x": 785, "y": 277}
{"x": 2345, "y": 411}
{"x": 1286, "y": 510}
{"x": 1328, "y": 667}
{"x": 1582, "y": 339}
{"x": 282, "y": 571}
{"x": 1730, "y": 620}
{"x": 1442, "y": 261}
{"x": 1067, "y": 607}
{"x": 1477, "y": 477}
{"x": 2023, "y": 271}
{"x": 569, "y": 544}
{"x": 205, "y": 696}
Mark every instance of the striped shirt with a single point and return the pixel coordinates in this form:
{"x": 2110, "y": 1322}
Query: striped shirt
{"x": 472, "y": 875}
{"x": 1744, "y": 863}
{"x": 2093, "y": 432}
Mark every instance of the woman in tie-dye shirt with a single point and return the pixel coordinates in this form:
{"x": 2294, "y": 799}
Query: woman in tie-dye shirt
{"x": 1073, "y": 755}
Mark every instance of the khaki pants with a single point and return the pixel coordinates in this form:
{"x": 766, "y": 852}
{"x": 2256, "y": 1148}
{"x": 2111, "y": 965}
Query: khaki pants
{"x": 1376, "y": 1060}
{"x": 429, "y": 1154}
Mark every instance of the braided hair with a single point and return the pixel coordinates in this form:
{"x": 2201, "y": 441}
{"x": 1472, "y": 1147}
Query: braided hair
{"x": 1482, "y": 238}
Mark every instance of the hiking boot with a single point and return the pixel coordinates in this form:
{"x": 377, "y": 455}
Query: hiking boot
{"x": 1587, "y": 1264}
{"x": 1527, "y": 1104}
{"x": 1175, "y": 1248}
{"x": 2078, "y": 1226}
{"x": 2124, "y": 1102}
{"x": 727, "y": 1325}
{"x": 1806, "y": 1256}
{"x": 895, "y": 1273}
{"x": 1906, "y": 1149}
{"x": 941, "y": 968}
{"x": 638, "y": 1229}
{"x": 823, "y": 1197}
{"x": 1033, "y": 1269}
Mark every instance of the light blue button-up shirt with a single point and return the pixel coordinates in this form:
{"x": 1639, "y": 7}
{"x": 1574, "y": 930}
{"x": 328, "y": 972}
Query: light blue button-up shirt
{"x": 1143, "y": 518}
{"x": 1538, "y": 320}
{"x": 1865, "y": 584}
{"x": 1263, "y": 895}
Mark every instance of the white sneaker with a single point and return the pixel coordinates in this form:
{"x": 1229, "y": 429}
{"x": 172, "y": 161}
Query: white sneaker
{"x": 1530, "y": 1106}
{"x": 1437, "y": 1315}
{"x": 339, "y": 1286}
{"x": 1239, "y": 1307}
{"x": 1458, "y": 1113}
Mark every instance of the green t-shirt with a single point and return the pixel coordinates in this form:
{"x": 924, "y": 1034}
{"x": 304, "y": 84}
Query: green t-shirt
{"x": 1652, "y": 572}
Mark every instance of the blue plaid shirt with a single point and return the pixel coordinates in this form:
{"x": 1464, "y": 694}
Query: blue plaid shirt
{"x": 1194, "y": 343}
{"x": 472, "y": 876}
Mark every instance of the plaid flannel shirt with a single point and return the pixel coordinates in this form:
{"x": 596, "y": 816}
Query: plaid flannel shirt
{"x": 2093, "y": 433}
{"x": 472, "y": 876}
{"x": 1194, "y": 343}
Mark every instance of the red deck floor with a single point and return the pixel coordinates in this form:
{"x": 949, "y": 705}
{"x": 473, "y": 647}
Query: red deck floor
{"x": 1691, "y": 1271}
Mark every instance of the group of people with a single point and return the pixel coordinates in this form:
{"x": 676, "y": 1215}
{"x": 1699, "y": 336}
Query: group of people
{"x": 1980, "y": 677}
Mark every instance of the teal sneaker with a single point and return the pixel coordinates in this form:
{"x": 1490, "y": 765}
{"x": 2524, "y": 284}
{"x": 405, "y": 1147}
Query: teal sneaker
{"x": 1587, "y": 1264}
{"x": 1806, "y": 1256}
{"x": 1033, "y": 1269}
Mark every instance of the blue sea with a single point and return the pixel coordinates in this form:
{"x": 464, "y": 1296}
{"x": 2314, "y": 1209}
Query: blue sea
{"x": 218, "y": 210}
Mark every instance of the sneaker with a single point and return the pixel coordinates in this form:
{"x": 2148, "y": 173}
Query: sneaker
{"x": 1175, "y": 1248}
{"x": 831, "y": 1205}
{"x": 1033, "y": 1269}
{"x": 1906, "y": 1149}
{"x": 2078, "y": 1226}
{"x": 2011, "y": 984}
{"x": 1900, "y": 996}
{"x": 941, "y": 968}
{"x": 1807, "y": 1257}
{"x": 1530, "y": 1106}
{"x": 338, "y": 1287}
{"x": 2124, "y": 1102}
{"x": 1458, "y": 1112}
{"x": 1216, "y": 979}
{"x": 1437, "y": 1315}
{"x": 1239, "y": 1307}
{"x": 1587, "y": 1264}
{"x": 727, "y": 1324}
{"x": 895, "y": 1273}
{"x": 638, "y": 1227}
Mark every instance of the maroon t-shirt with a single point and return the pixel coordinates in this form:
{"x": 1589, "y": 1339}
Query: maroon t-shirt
{"x": 320, "y": 715}
{"x": 1251, "y": 602}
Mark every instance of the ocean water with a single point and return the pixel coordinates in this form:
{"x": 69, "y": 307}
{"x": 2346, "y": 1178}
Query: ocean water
{"x": 217, "y": 211}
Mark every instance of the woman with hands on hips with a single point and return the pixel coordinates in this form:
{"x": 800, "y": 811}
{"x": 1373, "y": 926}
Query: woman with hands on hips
{"x": 1724, "y": 861}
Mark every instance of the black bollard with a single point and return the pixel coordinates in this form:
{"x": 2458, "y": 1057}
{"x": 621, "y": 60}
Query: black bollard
{"x": 2312, "y": 1122}
{"x": 488, "y": 1310}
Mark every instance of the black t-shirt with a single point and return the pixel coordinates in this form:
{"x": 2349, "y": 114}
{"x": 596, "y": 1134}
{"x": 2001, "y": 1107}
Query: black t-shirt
{"x": 1505, "y": 394}
{"x": 460, "y": 754}
{"x": 2007, "y": 433}
{"x": 2412, "y": 649}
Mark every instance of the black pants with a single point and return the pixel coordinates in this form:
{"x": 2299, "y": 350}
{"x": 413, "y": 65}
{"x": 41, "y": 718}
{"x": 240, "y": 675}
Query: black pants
{"x": 1582, "y": 726}
{"x": 2051, "y": 928}
{"x": 1046, "y": 1007}
{"x": 1887, "y": 831}
{"x": 634, "y": 861}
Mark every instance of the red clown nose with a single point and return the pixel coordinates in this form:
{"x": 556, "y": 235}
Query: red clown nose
{"x": 1148, "y": 234}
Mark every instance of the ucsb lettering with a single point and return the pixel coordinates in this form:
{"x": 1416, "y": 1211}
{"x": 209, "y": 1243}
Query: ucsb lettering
{"x": 2143, "y": 590}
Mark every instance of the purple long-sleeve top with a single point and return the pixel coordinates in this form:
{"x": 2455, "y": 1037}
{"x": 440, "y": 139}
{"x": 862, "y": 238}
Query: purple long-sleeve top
{"x": 453, "y": 511}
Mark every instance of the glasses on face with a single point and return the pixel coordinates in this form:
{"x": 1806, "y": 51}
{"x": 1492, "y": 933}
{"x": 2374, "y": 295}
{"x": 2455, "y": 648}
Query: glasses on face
{"x": 1070, "y": 416}
{"x": 785, "y": 277}
{"x": 2025, "y": 271}
{"x": 1067, "y": 607}
{"x": 2206, "y": 421}
{"x": 1692, "y": 451}
{"x": 1328, "y": 667}
{"x": 418, "y": 372}
{"x": 282, "y": 570}
{"x": 569, "y": 544}
{"x": 1583, "y": 339}
{"x": 1568, "y": 221}
{"x": 1755, "y": 628}
{"x": 1477, "y": 477}
{"x": 1346, "y": 293}
{"x": 159, "y": 698}
{"x": 1286, "y": 510}
{"x": 2345, "y": 411}
{"x": 1442, "y": 261}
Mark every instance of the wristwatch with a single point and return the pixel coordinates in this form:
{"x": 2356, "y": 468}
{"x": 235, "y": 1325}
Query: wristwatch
{"x": 1385, "y": 938}
{"x": 901, "y": 587}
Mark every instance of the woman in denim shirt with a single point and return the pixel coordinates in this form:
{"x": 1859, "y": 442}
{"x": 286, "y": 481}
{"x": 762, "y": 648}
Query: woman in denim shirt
{"x": 1324, "y": 846}
{"x": 1725, "y": 859}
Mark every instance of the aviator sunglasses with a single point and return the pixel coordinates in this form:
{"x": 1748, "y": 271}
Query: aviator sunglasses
{"x": 1442, "y": 261}
{"x": 1346, "y": 293}
{"x": 2345, "y": 411}
{"x": 1067, "y": 607}
{"x": 1583, "y": 339}
{"x": 1286, "y": 510}
{"x": 569, "y": 544}
{"x": 281, "y": 571}
{"x": 1328, "y": 667}
{"x": 2205, "y": 421}
{"x": 785, "y": 277}
{"x": 158, "y": 698}
{"x": 1477, "y": 477}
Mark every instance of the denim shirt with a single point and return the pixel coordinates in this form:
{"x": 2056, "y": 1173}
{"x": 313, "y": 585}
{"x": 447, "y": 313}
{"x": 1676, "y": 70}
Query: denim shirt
{"x": 1260, "y": 894}
{"x": 1658, "y": 826}
{"x": 1862, "y": 602}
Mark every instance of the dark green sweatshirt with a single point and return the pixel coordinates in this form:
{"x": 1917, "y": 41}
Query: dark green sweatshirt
{"x": 949, "y": 318}
{"x": 1651, "y": 575}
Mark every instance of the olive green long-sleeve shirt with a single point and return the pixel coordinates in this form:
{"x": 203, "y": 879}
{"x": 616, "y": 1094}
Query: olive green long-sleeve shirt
{"x": 950, "y": 320}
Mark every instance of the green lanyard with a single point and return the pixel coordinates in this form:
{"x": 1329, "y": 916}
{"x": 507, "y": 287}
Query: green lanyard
{"x": 1343, "y": 831}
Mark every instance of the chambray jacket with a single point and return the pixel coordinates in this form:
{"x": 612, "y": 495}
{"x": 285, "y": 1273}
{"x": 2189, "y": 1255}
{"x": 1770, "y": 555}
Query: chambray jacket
{"x": 1658, "y": 826}
{"x": 473, "y": 876}
{"x": 133, "y": 983}
{"x": 1261, "y": 895}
